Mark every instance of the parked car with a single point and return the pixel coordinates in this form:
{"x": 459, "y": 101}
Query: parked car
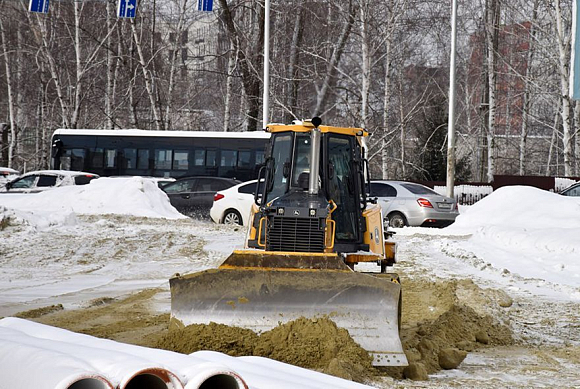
{"x": 572, "y": 190}
{"x": 193, "y": 196}
{"x": 233, "y": 205}
{"x": 7, "y": 174}
{"x": 411, "y": 204}
{"x": 42, "y": 180}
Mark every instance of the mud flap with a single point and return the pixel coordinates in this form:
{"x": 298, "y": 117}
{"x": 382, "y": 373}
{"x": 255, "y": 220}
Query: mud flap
{"x": 260, "y": 299}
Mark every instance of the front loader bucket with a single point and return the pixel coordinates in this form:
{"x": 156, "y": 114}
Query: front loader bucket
{"x": 259, "y": 290}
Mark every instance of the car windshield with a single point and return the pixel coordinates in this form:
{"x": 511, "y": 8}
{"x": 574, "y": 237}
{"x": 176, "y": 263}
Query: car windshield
{"x": 419, "y": 189}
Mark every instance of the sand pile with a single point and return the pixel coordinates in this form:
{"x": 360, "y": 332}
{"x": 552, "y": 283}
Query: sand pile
{"x": 316, "y": 344}
{"x": 445, "y": 342}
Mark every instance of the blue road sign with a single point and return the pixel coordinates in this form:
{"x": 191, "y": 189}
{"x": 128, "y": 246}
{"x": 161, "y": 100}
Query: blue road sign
{"x": 126, "y": 8}
{"x": 38, "y": 6}
{"x": 205, "y": 5}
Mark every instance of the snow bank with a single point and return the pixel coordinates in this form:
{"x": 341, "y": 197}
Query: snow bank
{"x": 134, "y": 196}
{"x": 116, "y": 361}
{"x": 528, "y": 231}
{"x": 521, "y": 207}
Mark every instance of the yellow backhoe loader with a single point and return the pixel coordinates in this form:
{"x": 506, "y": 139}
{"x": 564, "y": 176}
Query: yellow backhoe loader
{"x": 312, "y": 222}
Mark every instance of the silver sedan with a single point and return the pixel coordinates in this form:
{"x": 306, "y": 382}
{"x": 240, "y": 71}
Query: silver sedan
{"x": 411, "y": 204}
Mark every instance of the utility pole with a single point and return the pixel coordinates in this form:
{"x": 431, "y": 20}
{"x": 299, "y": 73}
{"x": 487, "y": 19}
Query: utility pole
{"x": 266, "y": 92}
{"x": 451, "y": 119}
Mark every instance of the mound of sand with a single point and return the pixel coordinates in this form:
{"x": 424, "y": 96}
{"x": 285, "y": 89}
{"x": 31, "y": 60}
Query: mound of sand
{"x": 316, "y": 344}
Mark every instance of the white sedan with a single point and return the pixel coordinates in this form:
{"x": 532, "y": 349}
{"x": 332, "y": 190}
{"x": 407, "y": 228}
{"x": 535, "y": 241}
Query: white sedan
{"x": 234, "y": 205}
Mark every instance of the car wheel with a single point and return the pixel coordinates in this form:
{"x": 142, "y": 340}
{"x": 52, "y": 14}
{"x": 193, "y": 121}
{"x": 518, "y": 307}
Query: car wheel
{"x": 397, "y": 220}
{"x": 232, "y": 217}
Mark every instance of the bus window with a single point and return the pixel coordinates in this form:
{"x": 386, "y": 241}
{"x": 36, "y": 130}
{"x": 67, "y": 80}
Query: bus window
{"x": 210, "y": 157}
{"x": 163, "y": 159}
{"x": 110, "y": 158}
{"x": 97, "y": 158}
{"x": 143, "y": 159}
{"x": 244, "y": 157}
{"x": 73, "y": 159}
{"x": 180, "y": 160}
{"x": 199, "y": 158}
{"x": 229, "y": 158}
{"x": 130, "y": 158}
{"x": 259, "y": 157}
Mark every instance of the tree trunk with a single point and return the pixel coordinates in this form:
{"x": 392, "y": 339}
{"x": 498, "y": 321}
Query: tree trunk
{"x": 293, "y": 82}
{"x": 564, "y": 67}
{"x": 527, "y": 84}
{"x": 229, "y": 87}
{"x": 333, "y": 62}
{"x": 11, "y": 110}
{"x": 386, "y": 97}
{"x": 365, "y": 64}
{"x": 176, "y": 51}
{"x": 147, "y": 78}
{"x": 109, "y": 120}
{"x": 492, "y": 36}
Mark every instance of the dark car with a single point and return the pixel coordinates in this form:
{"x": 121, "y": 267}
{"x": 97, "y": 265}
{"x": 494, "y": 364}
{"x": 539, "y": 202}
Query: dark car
{"x": 193, "y": 196}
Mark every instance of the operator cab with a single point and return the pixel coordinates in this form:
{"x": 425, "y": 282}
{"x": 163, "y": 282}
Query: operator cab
{"x": 337, "y": 188}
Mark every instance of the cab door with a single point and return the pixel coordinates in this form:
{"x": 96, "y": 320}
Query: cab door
{"x": 342, "y": 187}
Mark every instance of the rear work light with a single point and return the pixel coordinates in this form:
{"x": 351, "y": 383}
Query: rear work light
{"x": 424, "y": 203}
{"x": 218, "y": 196}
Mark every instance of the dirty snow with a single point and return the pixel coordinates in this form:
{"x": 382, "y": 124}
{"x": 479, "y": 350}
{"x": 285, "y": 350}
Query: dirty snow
{"x": 522, "y": 240}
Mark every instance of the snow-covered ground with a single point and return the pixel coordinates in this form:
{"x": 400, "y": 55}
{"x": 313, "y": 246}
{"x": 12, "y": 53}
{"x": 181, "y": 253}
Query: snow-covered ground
{"x": 115, "y": 236}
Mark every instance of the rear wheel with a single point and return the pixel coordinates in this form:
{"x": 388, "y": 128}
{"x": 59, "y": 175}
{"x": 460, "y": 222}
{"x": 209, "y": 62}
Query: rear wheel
{"x": 232, "y": 217}
{"x": 397, "y": 220}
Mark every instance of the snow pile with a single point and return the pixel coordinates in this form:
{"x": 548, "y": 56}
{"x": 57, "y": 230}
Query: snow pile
{"x": 525, "y": 230}
{"x": 60, "y": 356}
{"x": 134, "y": 196}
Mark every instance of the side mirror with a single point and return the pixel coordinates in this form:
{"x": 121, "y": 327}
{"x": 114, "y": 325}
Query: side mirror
{"x": 8, "y": 185}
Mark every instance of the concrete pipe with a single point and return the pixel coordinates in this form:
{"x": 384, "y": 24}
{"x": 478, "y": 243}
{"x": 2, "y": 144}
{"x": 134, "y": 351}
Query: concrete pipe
{"x": 151, "y": 378}
{"x": 85, "y": 381}
{"x": 214, "y": 377}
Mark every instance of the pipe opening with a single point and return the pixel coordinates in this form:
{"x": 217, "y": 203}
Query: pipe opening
{"x": 89, "y": 383}
{"x": 220, "y": 381}
{"x": 149, "y": 381}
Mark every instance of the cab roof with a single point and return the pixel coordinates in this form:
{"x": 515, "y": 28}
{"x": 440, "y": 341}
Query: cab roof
{"x": 307, "y": 126}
